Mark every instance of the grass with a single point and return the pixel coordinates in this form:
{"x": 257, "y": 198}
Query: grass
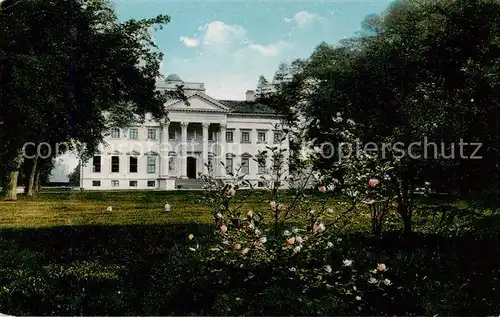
{"x": 87, "y": 208}
{"x": 61, "y": 255}
{"x": 76, "y": 208}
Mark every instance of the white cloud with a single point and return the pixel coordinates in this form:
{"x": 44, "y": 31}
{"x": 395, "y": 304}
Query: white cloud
{"x": 227, "y": 61}
{"x": 218, "y": 32}
{"x": 269, "y": 50}
{"x": 303, "y": 19}
{"x": 190, "y": 42}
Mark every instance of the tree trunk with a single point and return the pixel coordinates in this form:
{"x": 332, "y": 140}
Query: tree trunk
{"x": 13, "y": 175}
{"x": 31, "y": 180}
{"x": 407, "y": 228}
{"x": 405, "y": 205}
{"x": 37, "y": 182}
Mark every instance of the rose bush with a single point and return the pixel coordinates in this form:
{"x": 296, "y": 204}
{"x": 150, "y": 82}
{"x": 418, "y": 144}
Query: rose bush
{"x": 293, "y": 240}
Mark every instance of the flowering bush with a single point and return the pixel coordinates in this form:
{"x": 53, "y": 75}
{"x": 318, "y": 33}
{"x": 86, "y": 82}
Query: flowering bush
{"x": 366, "y": 181}
{"x": 292, "y": 239}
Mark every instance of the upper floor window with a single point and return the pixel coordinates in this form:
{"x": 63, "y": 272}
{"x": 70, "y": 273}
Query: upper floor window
{"x": 152, "y": 134}
{"x": 229, "y": 136}
{"x": 96, "y": 164}
{"x": 151, "y": 164}
{"x": 115, "y": 164}
{"x": 115, "y": 133}
{"x": 261, "y": 137}
{"x": 245, "y": 137}
{"x": 133, "y": 134}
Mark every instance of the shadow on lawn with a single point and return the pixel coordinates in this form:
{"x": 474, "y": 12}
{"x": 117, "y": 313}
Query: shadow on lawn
{"x": 147, "y": 270}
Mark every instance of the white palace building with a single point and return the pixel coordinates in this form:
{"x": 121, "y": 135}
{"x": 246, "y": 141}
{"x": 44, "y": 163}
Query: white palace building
{"x": 170, "y": 155}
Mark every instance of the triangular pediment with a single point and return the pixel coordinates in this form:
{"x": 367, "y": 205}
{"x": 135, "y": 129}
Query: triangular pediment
{"x": 198, "y": 102}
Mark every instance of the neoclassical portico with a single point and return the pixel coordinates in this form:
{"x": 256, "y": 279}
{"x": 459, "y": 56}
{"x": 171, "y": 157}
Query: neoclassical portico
{"x": 203, "y": 141}
{"x": 204, "y": 132}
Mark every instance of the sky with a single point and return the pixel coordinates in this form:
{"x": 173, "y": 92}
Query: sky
{"x": 228, "y": 44}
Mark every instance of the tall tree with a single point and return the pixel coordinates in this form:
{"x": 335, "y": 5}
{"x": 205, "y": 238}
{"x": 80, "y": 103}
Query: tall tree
{"x": 84, "y": 71}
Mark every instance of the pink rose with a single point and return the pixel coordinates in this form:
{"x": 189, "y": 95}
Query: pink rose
{"x": 319, "y": 228}
{"x": 381, "y": 267}
{"x": 299, "y": 240}
{"x": 322, "y": 189}
{"x": 291, "y": 240}
{"x": 223, "y": 229}
{"x": 272, "y": 205}
{"x": 296, "y": 249}
{"x": 237, "y": 246}
{"x": 373, "y": 182}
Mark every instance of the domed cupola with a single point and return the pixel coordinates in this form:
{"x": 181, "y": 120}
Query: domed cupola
{"x": 173, "y": 79}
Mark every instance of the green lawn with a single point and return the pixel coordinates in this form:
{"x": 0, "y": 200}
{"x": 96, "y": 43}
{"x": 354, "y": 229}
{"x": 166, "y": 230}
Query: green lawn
{"x": 61, "y": 255}
{"x": 129, "y": 208}
{"x": 87, "y": 208}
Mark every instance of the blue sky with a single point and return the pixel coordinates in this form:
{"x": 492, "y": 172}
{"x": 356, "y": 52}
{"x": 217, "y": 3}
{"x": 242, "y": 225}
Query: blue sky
{"x": 228, "y": 44}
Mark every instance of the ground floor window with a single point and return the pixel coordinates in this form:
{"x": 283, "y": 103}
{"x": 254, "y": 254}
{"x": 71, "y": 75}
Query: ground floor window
{"x": 132, "y": 183}
{"x": 115, "y": 183}
{"x": 96, "y": 183}
{"x": 151, "y": 183}
{"x": 171, "y": 164}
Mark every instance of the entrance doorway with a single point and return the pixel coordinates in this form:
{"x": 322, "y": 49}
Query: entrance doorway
{"x": 191, "y": 167}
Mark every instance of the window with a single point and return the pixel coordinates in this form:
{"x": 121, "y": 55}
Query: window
{"x": 115, "y": 183}
{"x": 261, "y": 137}
{"x": 151, "y": 183}
{"x": 115, "y": 164}
{"x": 133, "y": 164}
{"x": 151, "y": 164}
{"x": 133, "y": 134}
{"x": 277, "y": 137}
{"x": 132, "y": 183}
{"x": 262, "y": 165}
{"x": 171, "y": 164}
{"x": 151, "y": 134}
{"x": 229, "y": 165}
{"x": 96, "y": 164}
{"x": 245, "y": 165}
{"x": 245, "y": 137}
{"x": 96, "y": 183}
{"x": 229, "y": 136}
{"x": 171, "y": 134}
{"x": 115, "y": 133}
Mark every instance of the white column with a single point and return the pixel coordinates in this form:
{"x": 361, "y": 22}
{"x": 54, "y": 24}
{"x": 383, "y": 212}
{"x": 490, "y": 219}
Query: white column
{"x": 222, "y": 152}
{"x": 184, "y": 126}
{"x": 205, "y": 146}
{"x": 165, "y": 150}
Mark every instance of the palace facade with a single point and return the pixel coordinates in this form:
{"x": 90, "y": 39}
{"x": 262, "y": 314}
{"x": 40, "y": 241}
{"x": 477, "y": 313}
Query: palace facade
{"x": 171, "y": 154}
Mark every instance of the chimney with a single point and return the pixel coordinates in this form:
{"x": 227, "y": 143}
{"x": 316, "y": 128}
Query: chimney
{"x": 250, "y": 96}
